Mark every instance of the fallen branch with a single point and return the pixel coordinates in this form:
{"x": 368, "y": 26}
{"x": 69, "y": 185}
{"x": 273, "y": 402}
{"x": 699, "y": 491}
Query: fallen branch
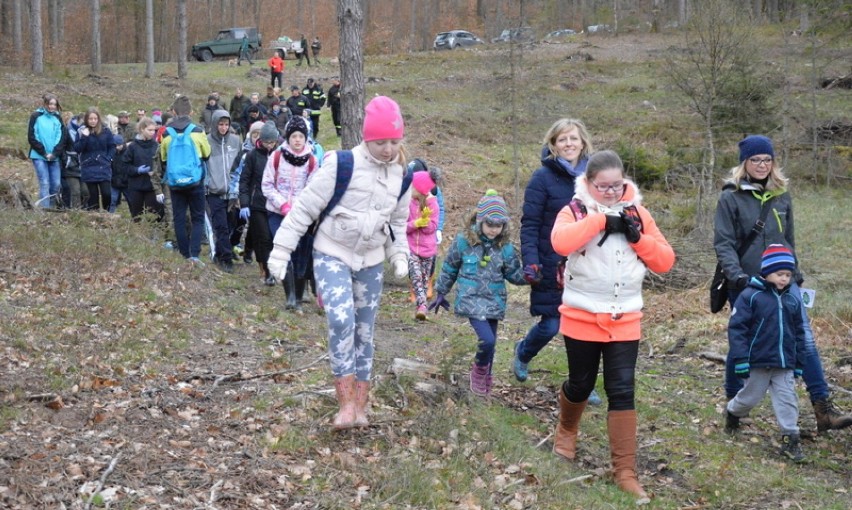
{"x": 543, "y": 441}
{"x": 712, "y": 356}
{"x": 238, "y": 377}
{"x": 578, "y": 479}
{"x": 213, "y": 495}
{"x": 101, "y": 482}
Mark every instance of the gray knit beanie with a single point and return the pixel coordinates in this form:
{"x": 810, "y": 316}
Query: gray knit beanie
{"x": 269, "y": 133}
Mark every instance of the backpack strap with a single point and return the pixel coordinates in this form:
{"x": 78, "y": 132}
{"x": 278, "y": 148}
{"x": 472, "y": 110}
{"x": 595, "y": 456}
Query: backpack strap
{"x": 578, "y": 208}
{"x": 406, "y": 182}
{"x": 345, "y": 166}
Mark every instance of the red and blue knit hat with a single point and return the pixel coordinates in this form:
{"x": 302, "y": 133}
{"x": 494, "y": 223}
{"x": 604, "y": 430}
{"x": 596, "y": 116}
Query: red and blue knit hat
{"x": 492, "y": 208}
{"x": 777, "y": 258}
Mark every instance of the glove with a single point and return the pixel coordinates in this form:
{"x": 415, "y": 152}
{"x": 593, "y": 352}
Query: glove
{"x": 614, "y": 224}
{"x": 285, "y": 208}
{"x": 797, "y": 373}
{"x": 421, "y": 222}
{"x": 277, "y": 263}
{"x": 426, "y": 213}
{"x": 742, "y": 282}
{"x": 439, "y": 235}
{"x": 532, "y": 274}
{"x": 439, "y": 302}
{"x": 631, "y": 229}
{"x": 400, "y": 268}
{"x": 160, "y": 198}
{"x": 245, "y": 212}
{"x": 143, "y": 169}
{"x": 741, "y": 368}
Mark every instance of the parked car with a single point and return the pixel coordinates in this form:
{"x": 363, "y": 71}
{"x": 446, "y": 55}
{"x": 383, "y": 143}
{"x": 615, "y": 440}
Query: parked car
{"x": 556, "y": 34}
{"x": 455, "y": 39}
{"x": 592, "y": 29}
{"x": 227, "y": 43}
{"x": 284, "y": 45}
{"x": 520, "y": 34}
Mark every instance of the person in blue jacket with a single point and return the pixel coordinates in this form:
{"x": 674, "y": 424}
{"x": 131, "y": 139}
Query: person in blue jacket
{"x": 47, "y": 137}
{"x": 566, "y": 150}
{"x": 96, "y": 146}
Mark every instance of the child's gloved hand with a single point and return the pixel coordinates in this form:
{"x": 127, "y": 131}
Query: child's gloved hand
{"x": 631, "y": 228}
{"x": 277, "y": 263}
{"x": 439, "y": 235}
{"x": 532, "y": 274}
{"x": 439, "y": 302}
{"x": 426, "y": 212}
{"x": 421, "y": 222}
{"x": 160, "y": 198}
{"x": 400, "y": 268}
{"x": 143, "y": 169}
{"x": 742, "y": 368}
{"x": 245, "y": 212}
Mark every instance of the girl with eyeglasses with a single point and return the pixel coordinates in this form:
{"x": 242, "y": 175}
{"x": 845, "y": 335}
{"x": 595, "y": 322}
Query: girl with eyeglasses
{"x": 756, "y": 181}
{"x": 610, "y": 241}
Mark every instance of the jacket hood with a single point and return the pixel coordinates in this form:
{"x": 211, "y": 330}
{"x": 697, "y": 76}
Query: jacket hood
{"x": 214, "y": 130}
{"x": 631, "y": 194}
{"x": 474, "y": 234}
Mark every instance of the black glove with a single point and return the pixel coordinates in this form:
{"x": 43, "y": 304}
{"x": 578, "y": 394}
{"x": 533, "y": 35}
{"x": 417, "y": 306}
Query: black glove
{"x": 614, "y": 224}
{"x": 742, "y": 282}
{"x": 631, "y": 229}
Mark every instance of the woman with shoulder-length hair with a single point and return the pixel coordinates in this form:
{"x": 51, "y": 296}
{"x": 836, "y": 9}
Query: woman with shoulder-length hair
{"x": 47, "y": 136}
{"x": 96, "y": 146}
{"x": 758, "y": 182}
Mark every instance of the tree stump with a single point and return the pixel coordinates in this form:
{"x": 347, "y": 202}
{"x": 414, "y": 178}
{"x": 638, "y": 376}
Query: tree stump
{"x": 13, "y": 196}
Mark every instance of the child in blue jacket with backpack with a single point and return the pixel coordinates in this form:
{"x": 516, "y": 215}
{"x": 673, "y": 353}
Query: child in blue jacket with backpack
{"x": 767, "y": 338}
{"x": 481, "y": 260}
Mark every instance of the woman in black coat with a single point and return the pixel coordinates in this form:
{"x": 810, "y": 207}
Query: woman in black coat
{"x": 96, "y": 146}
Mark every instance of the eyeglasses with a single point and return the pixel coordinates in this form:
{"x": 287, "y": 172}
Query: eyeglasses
{"x": 760, "y": 161}
{"x": 616, "y": 188}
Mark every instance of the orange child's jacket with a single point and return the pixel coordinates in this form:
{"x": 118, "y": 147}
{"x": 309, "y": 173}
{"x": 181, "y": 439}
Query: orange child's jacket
{"x": 276, "y": 64}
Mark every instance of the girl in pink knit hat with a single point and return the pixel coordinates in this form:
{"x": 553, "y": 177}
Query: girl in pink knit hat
{"x": 422, "y": 224}
{"x": 351, "y": 244}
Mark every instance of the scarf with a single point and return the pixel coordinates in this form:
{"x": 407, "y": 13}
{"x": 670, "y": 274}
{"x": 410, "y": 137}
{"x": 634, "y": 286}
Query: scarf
{"x": 573, "y": 171}
{"x": 296, "y": 160}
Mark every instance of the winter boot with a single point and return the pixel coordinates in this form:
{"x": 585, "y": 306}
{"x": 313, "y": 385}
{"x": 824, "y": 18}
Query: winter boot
{"x": 300, "y": 293}
{"x": 565, "y": 437}
{"x": 828, "y": 417}
{"x": 344, "y": 388}
{"x": 478, "y": 375}
{"x": 621, "y": 426}
{"x": 362, "y": 393}
{"x": 732, "y": 423}
{"x": 289, "y": 284}
{"x": 519, "y": 368}
{"x": 268, "y": 279}
{"x": 791, "y": 447}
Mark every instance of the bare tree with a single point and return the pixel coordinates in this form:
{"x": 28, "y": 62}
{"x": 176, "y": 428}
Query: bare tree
{"x": 149, "y": 38}
{"x": 36, "y": 37}
{"x": 53, "y": 21}
{"x": 350, "y": 19}
{"x": 96, "y": 36}
{"x": 717, "y": 51}
{"x": 17, "y": 28}
{"x": 182, "y": 25}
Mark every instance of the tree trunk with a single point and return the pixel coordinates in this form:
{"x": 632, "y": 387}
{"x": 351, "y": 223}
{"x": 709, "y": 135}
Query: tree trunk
{"x": 182, "y": 26}
{"x": 149, "y": 38}
{"x": 17, "y": 29}
{"x": 350, "y": 19}
{"x": 36, "y": 37}
{"x": 96, "y": 36}
{"x": 683, "y": 12}
{"x": 53, "y": 21}
{"x": 412, "y": 41}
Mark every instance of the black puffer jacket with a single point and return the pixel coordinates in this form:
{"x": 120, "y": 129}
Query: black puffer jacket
{"x": 250, "y": 193}
{"x": 139, "y": 152}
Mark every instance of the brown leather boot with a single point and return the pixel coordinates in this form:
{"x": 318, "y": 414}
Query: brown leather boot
{"x": 565, "y": 438}
{"x": 828, "y": 417}
{"x": 362, "y": 393}
{"x": 622, "y": 443}
{"x": 344, "y": 387}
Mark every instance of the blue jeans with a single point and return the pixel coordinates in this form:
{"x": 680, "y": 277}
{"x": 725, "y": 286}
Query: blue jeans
{"x": 486, "y": 334}
{"x": 812, "y": 372}
{"x": 192, "y": 199}
{"x": 537, "y": 338}
{"x": 49, "y": 178}
{"x": 115, "y": 198}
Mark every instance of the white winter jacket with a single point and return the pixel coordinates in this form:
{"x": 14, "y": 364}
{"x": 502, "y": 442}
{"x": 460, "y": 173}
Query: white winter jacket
{"x": 357, "y": 231}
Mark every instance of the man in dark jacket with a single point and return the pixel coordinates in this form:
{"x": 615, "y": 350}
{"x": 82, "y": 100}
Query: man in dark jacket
{"x": 224, "y": 149}
{"x": 334, "y": 103}
{"x": 239, "y": 103}
{"x": 313, "y": 91}
{"x": 297, "y": 102}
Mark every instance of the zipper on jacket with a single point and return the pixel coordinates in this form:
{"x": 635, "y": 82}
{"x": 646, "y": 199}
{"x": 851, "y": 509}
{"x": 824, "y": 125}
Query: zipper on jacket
{"x": 780, "y": 328}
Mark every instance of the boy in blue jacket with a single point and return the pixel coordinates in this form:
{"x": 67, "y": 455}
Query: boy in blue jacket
{"x": 767, "y": 339}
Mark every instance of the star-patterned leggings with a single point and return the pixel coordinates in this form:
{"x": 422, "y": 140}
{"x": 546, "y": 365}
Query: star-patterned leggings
{"x": 351, "y": 302}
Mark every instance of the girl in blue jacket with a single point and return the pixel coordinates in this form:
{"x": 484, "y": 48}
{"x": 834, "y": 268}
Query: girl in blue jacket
{"x": 47, "y": 137}
{"x": 96, "y": 146}
{"x": 480, "y": 260}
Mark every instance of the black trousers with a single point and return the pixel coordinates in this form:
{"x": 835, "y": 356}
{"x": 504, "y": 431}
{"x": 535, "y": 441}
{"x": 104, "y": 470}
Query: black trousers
{"x": 261, "y": 239}
{"x": 100, "y": 195}
{"x": 619, "y": 371}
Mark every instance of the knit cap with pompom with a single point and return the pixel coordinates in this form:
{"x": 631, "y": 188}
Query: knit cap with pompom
{"x": 492, "y": 208}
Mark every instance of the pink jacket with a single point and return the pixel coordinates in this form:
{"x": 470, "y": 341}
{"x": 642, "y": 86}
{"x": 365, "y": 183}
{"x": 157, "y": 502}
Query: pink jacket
{"x": 281, "y": 186}
{"x": 422, "y": 241}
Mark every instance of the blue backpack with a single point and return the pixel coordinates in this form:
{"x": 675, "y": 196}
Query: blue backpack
{"x": 183, "y": 166}
{"x": 345, "y": 165}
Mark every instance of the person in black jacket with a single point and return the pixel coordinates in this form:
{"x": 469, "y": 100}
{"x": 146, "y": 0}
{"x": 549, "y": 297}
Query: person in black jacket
{"x": 96, "y": 146}
{"x": 316, "y": 98}
{"x": 137, "y": 160}
{"x": 334, "y": 103}
{"x": 297, "y": 102}
{"x": 567, "y": 146}
{"x": 252, "y": 200}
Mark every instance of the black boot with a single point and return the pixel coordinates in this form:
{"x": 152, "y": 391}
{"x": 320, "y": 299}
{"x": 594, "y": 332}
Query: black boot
{"x": 290, "y": 290}
{"x": 732, "y": 423}
{"x": 828, "y": 417}
{"x": 300, "y": 293}
{"x": 791, "y": 447}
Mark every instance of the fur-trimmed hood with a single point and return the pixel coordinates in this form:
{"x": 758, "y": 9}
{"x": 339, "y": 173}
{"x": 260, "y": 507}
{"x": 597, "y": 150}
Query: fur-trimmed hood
{"x": 631, "y": 196}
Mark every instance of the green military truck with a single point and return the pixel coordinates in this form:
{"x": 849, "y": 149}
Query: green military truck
{"x": 227, "y": 43}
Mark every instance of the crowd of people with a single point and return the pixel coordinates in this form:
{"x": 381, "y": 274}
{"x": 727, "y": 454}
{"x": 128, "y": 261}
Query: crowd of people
{"x": 331, "y": 220}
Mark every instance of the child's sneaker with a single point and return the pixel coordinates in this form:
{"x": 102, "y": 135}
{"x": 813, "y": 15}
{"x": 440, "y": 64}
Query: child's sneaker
{"x": 479, "y": 380}
{"x": 238, "y": 251}
{"x": 518, "y": 367}
{"x": 195, "y": 261}
{"x": 420, "y": 314}
{"x": 791, "y": 447}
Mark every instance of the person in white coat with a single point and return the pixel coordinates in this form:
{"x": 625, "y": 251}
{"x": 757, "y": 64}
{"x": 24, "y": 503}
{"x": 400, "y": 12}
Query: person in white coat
{"x": 351, "y": 244}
